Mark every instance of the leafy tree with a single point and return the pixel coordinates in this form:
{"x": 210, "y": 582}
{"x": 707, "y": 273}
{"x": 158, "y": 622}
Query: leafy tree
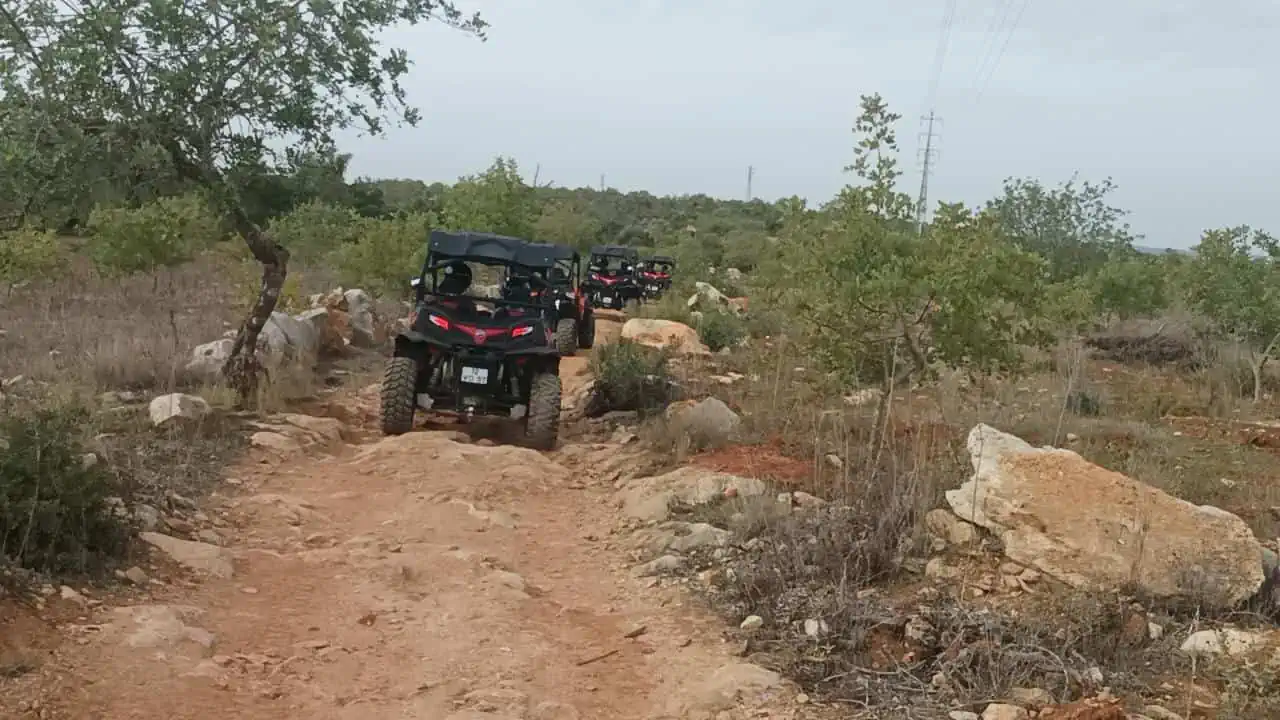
{"x": 219, "y": 88}
{"x": 497, "y": 201}
{"x": 1133, "y": 286}
{"x": 1234, "y": 281}
{"x": 567, "y": 222}
{"x": 1072, "y": 226}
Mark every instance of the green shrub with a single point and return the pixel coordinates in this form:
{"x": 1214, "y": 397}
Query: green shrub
{"x": 719, "y": 330}
{"x": 631, "y": 376}
{"x": 28, "y": 254}
{"x": 163, "y": 233}
{"x": 669, "y": 307}
{"x": 385, "y": 255}
{"x": 315, "y": 229}
{"x": 54, "y": 512}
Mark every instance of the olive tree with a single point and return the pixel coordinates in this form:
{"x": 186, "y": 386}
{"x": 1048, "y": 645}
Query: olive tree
{"x": 1235, "y": 283}
{"x": 222, "y": 89}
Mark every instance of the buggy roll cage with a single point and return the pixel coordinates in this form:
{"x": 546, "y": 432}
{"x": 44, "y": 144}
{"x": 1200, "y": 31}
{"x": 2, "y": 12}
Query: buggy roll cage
{"x": 445, "y": 247}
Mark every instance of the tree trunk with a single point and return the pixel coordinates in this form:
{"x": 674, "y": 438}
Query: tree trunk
{"x": 243, "y": 368}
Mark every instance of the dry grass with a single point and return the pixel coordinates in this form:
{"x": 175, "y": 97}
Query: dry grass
{"x": 134, "y": 333}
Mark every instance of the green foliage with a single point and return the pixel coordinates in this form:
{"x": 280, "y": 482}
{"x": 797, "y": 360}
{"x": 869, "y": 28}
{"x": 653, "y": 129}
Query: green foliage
{"x": 497, "y": 201}
{"x": 631, "y": 376}
{"x": 29, "y": 254}
{"x": 54, "y": 514}
{"x": 1234, "y": 282}
{"x": 1133, "y": 286}
{"x": 566, "y": 222}
{"x": 719, "y": 330}
{"x": 162, "y": 233}
{"x": 385, "y": 255}
{"x": 873, "y": 300}
{"x": 314, "y": 229}
{"x": 1072, "y": 226}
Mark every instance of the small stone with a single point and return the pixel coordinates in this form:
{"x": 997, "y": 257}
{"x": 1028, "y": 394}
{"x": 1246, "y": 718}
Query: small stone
{"x": 136, "y": 576}
{"x": 802, "y": 699}
{"x": 1035, "y": 697}
{"x": 1000, "y": 711}
{"x": 752, "y": 622}
{"x": 814, "y": 628}
{"x": 963, "y": 715}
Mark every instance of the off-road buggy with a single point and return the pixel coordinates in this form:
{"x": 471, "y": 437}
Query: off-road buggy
{"x": 655, "y": 276}
{"x": 460, "y": 357}
{"x": 576, "y": 320}
{"x": 611, "y": 276}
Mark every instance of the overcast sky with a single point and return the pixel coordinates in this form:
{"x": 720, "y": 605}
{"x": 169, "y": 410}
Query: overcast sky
{"x": 1171, "y": 98}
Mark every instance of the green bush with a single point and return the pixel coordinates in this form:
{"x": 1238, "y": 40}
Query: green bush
{"x": 27, "y": 254}
{"x": 385, "y": 255}
{"x": 163, "y": 233}
{"x": 313, "y": 230}
{"x": 719, "y": 330}
{"x": 631, "y": 376}
{"x": 54, "y": 512}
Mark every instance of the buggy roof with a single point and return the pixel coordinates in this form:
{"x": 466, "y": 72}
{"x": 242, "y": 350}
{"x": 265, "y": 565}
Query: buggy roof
{"x": 488, "y": 247}
{"x": 615, "y": 251}
{"x": 555, "y": 253}
{"x": 662, "y": 259}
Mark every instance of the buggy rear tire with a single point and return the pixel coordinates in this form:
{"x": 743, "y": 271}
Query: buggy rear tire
{"x": 542, "y": 425}
{"x": 567, "y": 336}
{"x": 587, "y": 332}
{"x": 399, "y": 400}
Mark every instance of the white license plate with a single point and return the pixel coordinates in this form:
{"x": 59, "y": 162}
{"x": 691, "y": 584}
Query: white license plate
{"x": 475, "y": 375}
{"x": 607, "y": 301}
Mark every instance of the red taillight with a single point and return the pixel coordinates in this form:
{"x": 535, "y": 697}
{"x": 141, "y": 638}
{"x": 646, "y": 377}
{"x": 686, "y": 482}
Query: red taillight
{"x": 522, "y": 331}
{"x": 439, "y": 322}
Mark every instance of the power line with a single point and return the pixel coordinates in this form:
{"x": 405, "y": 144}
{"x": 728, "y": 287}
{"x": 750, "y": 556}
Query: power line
{"x": 994, "y": 30}
{"x": 940, "y": 55}
{"x": 1016, "y": 20}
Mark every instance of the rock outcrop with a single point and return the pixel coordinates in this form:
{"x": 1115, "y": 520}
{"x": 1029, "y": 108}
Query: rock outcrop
{"x": 664, "y": 333}
{"x": 1094, "y": 528}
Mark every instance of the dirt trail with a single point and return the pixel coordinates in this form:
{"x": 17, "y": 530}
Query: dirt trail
{"x": 412, "y": 577}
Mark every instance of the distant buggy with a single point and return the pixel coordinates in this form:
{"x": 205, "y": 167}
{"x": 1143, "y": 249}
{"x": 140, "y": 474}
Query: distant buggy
{"x": 611, "y": 276}
{"x": 576, "y": 323}
{"x": 460, "y": 357}
{"x": 655, "y": 276}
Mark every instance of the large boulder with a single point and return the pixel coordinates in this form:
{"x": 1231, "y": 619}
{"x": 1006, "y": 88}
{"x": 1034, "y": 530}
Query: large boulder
{"x": 1094, "y": 528}
{"x": 707, "y": 297}
{"x": 664, "y": 333}
{"x": 365, "y": 332}
{"x": 177, "y": 409}
{"x": 285, "y": 337}
{"x": 707, "y": 423}
{"x": 207, "y": 359}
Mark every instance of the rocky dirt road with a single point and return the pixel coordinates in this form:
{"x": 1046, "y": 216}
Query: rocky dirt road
{"x": 424, "y": 576}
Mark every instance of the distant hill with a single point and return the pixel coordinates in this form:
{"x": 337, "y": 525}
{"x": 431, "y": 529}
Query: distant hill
{"x": 1147, "y": 250}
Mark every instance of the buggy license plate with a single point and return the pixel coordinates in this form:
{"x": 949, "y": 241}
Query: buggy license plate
{"x": 606, "y": 300}
{"x": 475, "y": 375}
